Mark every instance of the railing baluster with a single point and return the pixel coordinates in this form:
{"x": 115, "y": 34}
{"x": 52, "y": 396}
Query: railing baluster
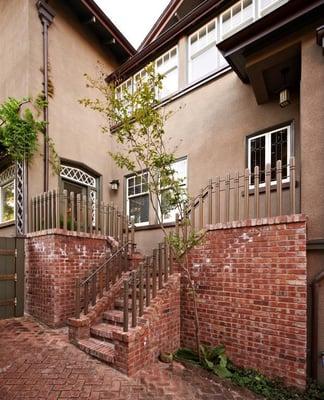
{"x": 57, "y": 210}
{"x": 292, "y": 174}
{"x": 93, "y": 290}
{"x": 78, "y": 200}
{"x": 84, "y": 213}
{"x": 268, "y": 189}
{"x": 125, "y": 311}
{"x": 256, "y": 192}
{"x": 160, "y": 267}
{"x": 170, "y": 262}
{"x": 86, "y": 298}
{"x": 132, "y": 236}
{"x": 134, "y": 300}
{"x": 105, "y": 219}
{"x": 227, "y": 197}
{"x": 65, "y": 208}
{"x": 77, "y": 298}
{"x": 201, "y": 209}
{"x": 210, "y": 201}
{"x": 91, "y": 209}
{"x": 33, "y": 216}
{"x": 141, "y": 292}
{"x": 154, "y": 274}
{"x": 48, "y": 210}
{"x": 236, "y": 196}
{"x": 217, "y": 200}
{"x": 192, "y": 216}
{"x": 37, "y": 213}
{"x": 246, "y": 192}
{"x": 52, "y": 209}
{"x": 147, "y": 283}
{"x": 72, "y": 210}
{"x": 279, "y": 187}
{"x": 44, "y": 203}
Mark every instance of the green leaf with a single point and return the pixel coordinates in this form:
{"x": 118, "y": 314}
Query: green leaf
{"x": 222, "y": 372}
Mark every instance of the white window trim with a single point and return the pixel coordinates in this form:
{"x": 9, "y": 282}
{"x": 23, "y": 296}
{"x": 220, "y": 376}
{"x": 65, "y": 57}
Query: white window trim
{"x": 7, "y": 176}
{"x": 239, "y": 26}
{"x": 192, "y": 56}
{"x": 185, "y": 184}
{"x": 173, "y": 68}
{"x": 270, "y": 7}
{"x": 268, "y": 153}
{"x": 134, "y": 196}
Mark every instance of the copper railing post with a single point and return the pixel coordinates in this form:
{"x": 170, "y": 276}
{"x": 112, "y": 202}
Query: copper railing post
{"x": 246, "y": 192}
{"x": 210, "y": 201}
{"x": 279, "y": 187}
{"x": 292, "y": 185}
{"x": 256, "y": 192}
{"x": 134, "y": 300}
{"x": 125, "y": 308}
{"x": 268, "y": 189}
{"x": 217, "y": 200}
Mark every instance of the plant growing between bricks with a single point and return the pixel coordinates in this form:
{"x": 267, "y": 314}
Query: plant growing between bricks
{"x": 137, "y": 122}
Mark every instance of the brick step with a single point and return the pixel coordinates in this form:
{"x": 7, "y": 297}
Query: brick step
{"x": 97, "y": 348}
{"x": 106, "y": 332}
{"x": 114, "y": 317}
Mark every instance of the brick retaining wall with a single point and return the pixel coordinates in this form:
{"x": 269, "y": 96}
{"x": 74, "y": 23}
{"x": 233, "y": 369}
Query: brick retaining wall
{"x": 251, "y": 280}
{"x": 54, "y": 259}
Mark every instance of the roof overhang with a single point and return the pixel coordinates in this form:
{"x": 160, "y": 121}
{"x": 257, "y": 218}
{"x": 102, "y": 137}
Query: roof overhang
{"x": 270, "y": 29}
{"x": 90, "y": 14}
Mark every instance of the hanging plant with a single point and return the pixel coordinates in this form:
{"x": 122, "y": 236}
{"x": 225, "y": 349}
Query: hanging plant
{"x": 19, "y": 129}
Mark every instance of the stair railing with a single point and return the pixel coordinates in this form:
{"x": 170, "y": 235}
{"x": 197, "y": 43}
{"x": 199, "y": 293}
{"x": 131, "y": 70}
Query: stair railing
{"x": 153, "y": 274}
{"x": 90, "y": 289}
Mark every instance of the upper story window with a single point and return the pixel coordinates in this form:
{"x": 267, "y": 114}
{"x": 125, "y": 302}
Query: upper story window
{"x": 268, "y": 148}
{"x": 203, "y": 55}
{"x": 7, "y": 195}
{"x": 138, "y": 198}
{"x": 167, "y": 65}
{"x": 266, "y": 6}
{"x": 180, "y": 173}
{"x": 234, "y": 18}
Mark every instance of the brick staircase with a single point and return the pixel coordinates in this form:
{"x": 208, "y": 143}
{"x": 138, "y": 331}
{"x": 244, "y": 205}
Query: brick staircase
{"x": 122, "y": 327}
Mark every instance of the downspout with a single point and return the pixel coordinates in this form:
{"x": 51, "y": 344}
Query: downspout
{"x": 316, "y": 355}
{"x": 46, "y": 15}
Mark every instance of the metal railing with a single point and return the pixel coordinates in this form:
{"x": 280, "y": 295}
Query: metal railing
{"x": 142, "y": 286}
{"x": 91, "y": 288}
{"x": 242, "y": 196}
{"x": 73, "y": 212}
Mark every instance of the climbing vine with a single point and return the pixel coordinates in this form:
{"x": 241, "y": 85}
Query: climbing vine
{"x": 20, "y": 127}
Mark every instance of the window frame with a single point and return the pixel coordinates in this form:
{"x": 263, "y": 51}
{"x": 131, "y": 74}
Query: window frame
{"x": 4, "y": 182}
{"x": 241, "y": 25}
{"x": 172, "y": 218}
{"x": 264, "y": 11}
{"x": 128, "y": 177}
{"x": 267, "y": 134}
{"x": 173, "y": 68}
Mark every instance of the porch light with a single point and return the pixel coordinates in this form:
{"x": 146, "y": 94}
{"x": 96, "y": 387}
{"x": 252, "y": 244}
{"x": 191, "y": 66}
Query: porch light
{"x": 284, "y": 98}
{"x": 284, "y": 94}
{"x": 114, "y": 184}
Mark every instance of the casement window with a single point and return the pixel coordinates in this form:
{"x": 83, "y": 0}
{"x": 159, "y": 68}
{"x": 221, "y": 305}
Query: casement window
{"x": 268, "y": 148}
{"x": 138, "y": 198}
{"x": 180, "y": 173}
{"x": 203, "y": 55}
{"x": 167, "y": 65}
{"x": 236, "y": 17}
{"x": 7, "y": 195}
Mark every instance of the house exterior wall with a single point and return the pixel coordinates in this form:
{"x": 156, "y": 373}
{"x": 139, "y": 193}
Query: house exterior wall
{"x": 251, "y": 286}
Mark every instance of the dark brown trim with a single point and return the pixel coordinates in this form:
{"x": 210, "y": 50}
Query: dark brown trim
{"x": 188, "y": 24}
{"x": 164, "y": 18}
{"x": 46, "y": 15}
{"x": 315, "y": 244}
{"x": 287, "y": 19}
{"x": 315, "y": 285}
{"x": 109, "y": 26}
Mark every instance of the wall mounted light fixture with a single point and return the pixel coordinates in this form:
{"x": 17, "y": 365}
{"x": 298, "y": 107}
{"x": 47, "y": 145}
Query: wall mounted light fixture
{"x": 114, "y": 184}
{"x": 284, "y": 94}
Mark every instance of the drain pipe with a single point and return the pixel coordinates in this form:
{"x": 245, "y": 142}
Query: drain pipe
{"x": 46, "y": 15}
{"x": 316, "y": 353}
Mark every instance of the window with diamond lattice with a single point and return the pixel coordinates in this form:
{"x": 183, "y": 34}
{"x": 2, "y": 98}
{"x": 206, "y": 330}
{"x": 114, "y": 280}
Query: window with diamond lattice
{"x": 7, "y": 194}
{"x": 268, "y": 148}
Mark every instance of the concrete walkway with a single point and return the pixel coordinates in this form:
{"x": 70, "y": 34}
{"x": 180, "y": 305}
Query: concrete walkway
{"x": 39, "y": 363}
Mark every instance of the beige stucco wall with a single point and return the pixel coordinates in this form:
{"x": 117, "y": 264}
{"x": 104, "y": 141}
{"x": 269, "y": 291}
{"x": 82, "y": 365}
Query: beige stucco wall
{"x": 73, "y": 51}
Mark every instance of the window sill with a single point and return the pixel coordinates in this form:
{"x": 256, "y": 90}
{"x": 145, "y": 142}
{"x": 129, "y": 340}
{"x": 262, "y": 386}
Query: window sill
{"x": 6, "y": 224}
{"x": 154, "y": 226}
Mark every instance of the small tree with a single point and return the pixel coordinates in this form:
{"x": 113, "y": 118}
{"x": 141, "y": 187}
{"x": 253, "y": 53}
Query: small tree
{"x": 137, "y": 122}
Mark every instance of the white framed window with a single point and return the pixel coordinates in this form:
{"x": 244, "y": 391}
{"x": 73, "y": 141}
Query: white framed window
{"x": 138, "y": 198}
{"x": 167, "y": 65}
{"x": 180, "y": 172}
{"x": 203, "y": 55}
{"x": 7, "y": 195}
{"x": 268, "y": 148}
{"x": 236, "y": 17}
{"x": 266, "y": 6}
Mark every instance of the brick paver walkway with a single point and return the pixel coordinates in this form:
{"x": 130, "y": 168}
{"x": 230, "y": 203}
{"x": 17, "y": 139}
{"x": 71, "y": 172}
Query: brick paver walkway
{"x": 38, "y": 363}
